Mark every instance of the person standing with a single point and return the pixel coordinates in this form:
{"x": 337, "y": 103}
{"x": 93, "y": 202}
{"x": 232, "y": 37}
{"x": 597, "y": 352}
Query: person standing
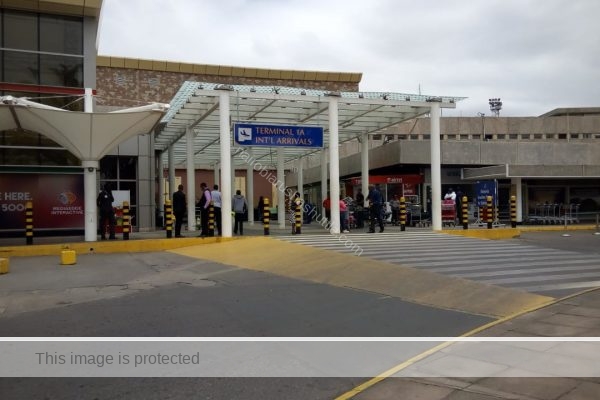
{"x": 203, "y": 204}
{"x": 261, "y": 209}
{"x": 376, "y": 201}
{"x": 327, "y": 207}
{"x": 343, "y": 216}
{"x": 179, "y": 209}
{"x": 359, "y": 209}
{"x": 107, "y": 213}
{"x": 215, "y": 195}
{"x": 395, "y": 205}
{"x": 239, "y": 207}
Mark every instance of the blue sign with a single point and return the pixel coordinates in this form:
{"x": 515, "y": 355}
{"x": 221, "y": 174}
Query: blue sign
{"x": 249, "y": 134}
{"x": 483, "y": 189}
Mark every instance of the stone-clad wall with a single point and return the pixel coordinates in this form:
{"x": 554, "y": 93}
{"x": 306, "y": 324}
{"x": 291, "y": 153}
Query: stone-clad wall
{"x": 125, "y": 86}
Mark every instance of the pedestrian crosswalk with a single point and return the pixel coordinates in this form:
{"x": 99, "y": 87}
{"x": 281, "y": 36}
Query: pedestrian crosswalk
{"x": 504, "y": 263}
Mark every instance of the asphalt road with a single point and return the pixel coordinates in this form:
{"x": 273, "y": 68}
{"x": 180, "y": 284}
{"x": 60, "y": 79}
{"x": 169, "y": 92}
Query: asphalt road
{"x": 166, "y": 295}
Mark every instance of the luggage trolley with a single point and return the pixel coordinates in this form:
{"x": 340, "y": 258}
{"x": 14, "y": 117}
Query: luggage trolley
{"x": 448, "y": 212}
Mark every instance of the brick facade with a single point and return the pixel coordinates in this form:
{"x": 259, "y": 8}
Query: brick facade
{"x": 128, "y": 87}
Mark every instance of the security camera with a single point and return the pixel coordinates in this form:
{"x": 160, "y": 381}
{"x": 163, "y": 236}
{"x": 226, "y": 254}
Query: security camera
{"x": 90, "y": 169}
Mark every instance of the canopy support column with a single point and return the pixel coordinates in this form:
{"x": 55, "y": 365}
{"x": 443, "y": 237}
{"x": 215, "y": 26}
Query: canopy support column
{"x": 191, "y": 179}
{"x": 225, "y": 147}
{"x": 90, "y": 168}
{"x": 250, "y": 187}
{"x": 301, "y": 177}
{"x": 364, "y": 163}
{"x": 436, "y": 168}
{"x": 519, "y": 197}
{"x": 324, "y": 174}
{"x": 161, "y": 183}
{"x": 280, "y": 186}
{"x": 172, "y": 188}
{"x": 334, "y": 164}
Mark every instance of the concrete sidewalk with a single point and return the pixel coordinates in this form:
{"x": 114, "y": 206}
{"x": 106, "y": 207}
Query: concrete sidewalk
{"x": 574, "y": 316}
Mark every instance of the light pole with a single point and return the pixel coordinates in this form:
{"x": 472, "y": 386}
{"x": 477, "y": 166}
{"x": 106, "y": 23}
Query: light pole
{"x": 482, "y": 115}
{"x": 495, "y": 106}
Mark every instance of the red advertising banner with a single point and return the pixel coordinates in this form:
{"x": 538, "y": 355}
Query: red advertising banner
{"x": 57, "y": 199}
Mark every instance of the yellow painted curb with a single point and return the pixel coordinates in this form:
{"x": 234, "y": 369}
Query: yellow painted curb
{"x": 496, "y": 233}
{"x": 116, "y": 246}
{"x": 348, "y": 271}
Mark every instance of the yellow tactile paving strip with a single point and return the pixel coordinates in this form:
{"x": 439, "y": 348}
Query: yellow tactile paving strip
{"x": 342, "y": 270}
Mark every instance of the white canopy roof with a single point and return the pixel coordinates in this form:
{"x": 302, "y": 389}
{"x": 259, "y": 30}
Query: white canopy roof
{"x": 196, "y": 106}
{"x": 89, "y": 136}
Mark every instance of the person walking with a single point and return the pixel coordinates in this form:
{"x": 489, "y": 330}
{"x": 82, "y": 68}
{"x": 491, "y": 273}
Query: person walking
{"x": 107, "y": 213}
{"x": 215, "y": 195}
{"x": 203, "y": 205}
{"x": 239, "y": 207}
{"x": 179, "y": 209}
{"x": 376, "y": 201}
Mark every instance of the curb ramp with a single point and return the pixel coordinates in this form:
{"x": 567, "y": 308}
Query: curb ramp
{"x": 342, "y": 270}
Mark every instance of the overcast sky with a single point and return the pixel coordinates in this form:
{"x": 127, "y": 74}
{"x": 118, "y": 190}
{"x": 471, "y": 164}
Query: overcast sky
{"x": 536, "y": 55}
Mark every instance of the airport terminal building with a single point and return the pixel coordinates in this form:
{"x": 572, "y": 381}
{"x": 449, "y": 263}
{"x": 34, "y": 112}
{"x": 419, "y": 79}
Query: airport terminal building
{"x": 48, "y": 54}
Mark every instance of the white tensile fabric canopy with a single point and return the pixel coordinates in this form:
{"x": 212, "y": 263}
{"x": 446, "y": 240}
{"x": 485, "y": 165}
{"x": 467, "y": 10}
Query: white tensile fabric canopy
{"x": 89, "y": 136}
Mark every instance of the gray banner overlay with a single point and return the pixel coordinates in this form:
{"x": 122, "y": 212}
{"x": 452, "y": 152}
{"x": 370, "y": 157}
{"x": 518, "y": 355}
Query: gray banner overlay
{"x": 240, "y": 358}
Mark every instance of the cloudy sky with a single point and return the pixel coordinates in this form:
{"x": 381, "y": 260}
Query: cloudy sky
{"x": 536, "y": 55}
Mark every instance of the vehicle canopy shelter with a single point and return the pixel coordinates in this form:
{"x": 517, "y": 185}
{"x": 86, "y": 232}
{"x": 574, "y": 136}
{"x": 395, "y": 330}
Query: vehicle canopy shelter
{"x": 196, "y": 131}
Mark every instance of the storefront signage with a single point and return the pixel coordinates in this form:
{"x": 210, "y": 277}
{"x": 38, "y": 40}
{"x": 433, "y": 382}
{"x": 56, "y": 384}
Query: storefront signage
{"x": 390, "y": 179}
{"x": 249, "y": 134}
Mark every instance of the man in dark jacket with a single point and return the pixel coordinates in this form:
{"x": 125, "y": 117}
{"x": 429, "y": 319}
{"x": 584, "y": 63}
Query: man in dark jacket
{"x": 376, "y": 202}
{"x": 107, "y": 213}
{"x": 179, "y": 209}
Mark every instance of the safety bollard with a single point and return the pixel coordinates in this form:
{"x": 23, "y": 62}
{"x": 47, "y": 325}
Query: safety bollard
{"x": 169, "y": 218}
{"x": 465, "y": 212}
{"x": 266, "y": 216}
{"x": 402, "y": 213}
{"x": 298, "y": 217}
{"x": 513, "y": 211}
{"x": 211, "y": 220}
{"x": 4, "y": 266}
{"x": 29, "y": 222}
{"x": 126, "y": 221}
{"x": 489, "y": 211}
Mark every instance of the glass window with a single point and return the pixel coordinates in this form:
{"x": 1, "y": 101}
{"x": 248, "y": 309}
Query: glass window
{"x": 20, "y": 30}
{"x": 61, "y": 71}
{"x": 127, "y": 167}
{"x": 58, "y": 157}
{"x": 61, "y": 34}
{"x": 108, "y": 168}
{"x": 21, "y": 67}
{"x": 132, "y": 187}
{"x": 21, "y": 138}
